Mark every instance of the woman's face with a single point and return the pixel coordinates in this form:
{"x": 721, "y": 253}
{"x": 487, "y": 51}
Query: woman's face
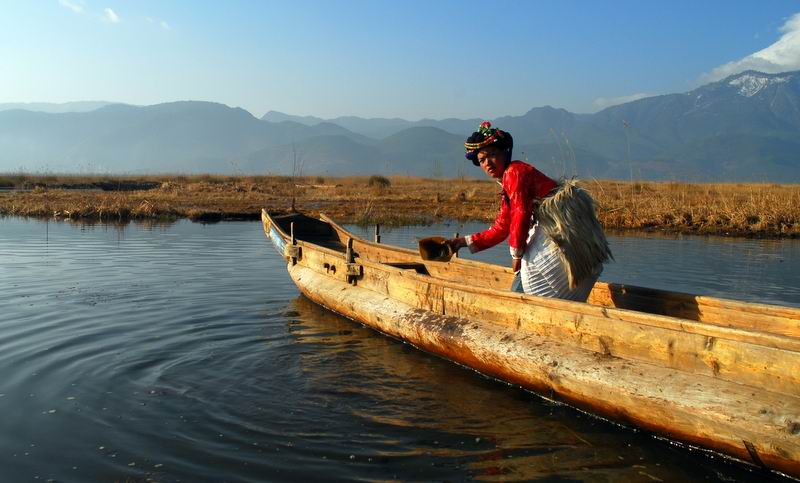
{"x": 493, "y": 161}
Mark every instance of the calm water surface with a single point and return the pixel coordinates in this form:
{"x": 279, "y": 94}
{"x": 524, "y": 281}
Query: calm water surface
{"x": 184, "y": 352}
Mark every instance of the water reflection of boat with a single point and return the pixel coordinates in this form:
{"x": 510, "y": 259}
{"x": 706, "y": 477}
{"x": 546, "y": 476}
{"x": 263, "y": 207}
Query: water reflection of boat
{"x": 719, "y": 374}
{"x": 458, "y": 420}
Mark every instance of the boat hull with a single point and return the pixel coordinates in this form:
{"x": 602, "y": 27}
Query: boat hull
{"x": 675, "y": 406}
{"x": 559, "y": 350}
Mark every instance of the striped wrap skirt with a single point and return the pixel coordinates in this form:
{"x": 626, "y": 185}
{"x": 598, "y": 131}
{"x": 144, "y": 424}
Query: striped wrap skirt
{"x": 543, "y": 272}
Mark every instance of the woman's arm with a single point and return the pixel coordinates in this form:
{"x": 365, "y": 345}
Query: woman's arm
{"x": 494, "y": 234}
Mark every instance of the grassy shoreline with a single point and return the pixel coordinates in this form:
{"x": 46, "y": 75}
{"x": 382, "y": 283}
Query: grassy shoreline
{"x": 736, "y": 209}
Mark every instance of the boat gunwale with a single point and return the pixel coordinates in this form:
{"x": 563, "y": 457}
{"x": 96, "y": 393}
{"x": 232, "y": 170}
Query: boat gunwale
{"x": 628, "y": 316}
{"x": 668, "y": 322}
{"x": 757, "y": 308}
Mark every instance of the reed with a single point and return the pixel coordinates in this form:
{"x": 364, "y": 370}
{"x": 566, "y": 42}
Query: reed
{"x": 739, "y": 209}
{"x": 749, "y": 209}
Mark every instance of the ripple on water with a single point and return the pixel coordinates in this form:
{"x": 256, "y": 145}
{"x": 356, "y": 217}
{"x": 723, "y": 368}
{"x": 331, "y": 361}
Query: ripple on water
{"x": 183, "y": 352}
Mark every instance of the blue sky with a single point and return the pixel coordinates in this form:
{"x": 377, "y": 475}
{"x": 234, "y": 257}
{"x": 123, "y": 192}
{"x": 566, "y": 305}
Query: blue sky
{"x": 378, "y": 58}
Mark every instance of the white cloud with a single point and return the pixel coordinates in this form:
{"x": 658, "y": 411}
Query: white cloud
{"x": 782, "y": 56}
{"x": 161, "y": 23}
{"x": 110, "y": 16}
{"x": 603, "y": 102}
{"x": 76, "y": 7}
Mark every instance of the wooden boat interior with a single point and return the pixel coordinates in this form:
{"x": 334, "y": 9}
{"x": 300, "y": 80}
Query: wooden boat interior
{"x": 748, "y": 316}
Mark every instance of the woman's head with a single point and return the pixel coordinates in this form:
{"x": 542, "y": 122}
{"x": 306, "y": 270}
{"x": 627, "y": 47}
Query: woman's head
{"x": 490, "y": 148}
{"x": 493, "y": 160}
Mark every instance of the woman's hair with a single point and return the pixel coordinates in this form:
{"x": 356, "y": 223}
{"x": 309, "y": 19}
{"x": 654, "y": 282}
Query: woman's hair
{"x": 485, "y": 136}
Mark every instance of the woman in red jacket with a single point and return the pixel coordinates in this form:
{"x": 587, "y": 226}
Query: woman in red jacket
{"x": 556, "y": 243}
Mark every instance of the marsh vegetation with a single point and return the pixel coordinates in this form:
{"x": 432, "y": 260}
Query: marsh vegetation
{"x": 751, "y": 209}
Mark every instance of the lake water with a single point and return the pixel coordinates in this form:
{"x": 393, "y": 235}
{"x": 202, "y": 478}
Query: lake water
{"x": 183, "y": 352}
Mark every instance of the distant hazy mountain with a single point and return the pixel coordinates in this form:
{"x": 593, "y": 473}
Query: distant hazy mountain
{"x": 329, "y": 154}
{"x": 745, "y": 127}
{"x": 275, "y": 116}
{"x": 179, "y": 136}
{"x": 377, "y": 127}
{"x": 80, "y": 106}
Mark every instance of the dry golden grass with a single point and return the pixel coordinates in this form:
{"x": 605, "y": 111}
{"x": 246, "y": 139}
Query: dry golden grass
{"x": 736, "y": 209}
{"x": 752, "y": 209}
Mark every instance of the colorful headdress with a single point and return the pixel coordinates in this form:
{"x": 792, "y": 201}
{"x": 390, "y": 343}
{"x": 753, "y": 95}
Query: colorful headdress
{"x": 485, "y": 136}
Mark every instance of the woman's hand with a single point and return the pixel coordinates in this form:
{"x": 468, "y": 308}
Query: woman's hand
{"x": 516, "y": 264}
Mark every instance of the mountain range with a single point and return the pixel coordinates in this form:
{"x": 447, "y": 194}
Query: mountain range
{"x": 744, "y": 127}
{"x": 79, "y": 106}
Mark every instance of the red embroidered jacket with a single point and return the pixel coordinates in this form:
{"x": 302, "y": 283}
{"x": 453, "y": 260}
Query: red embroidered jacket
{"x": 522, "y": 185}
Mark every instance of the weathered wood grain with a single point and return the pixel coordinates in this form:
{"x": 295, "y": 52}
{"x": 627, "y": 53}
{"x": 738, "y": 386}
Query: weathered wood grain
{"x": 700, "y": 410}
{"x": 732, "y": 387}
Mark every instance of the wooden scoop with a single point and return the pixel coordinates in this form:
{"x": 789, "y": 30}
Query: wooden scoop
{"x": 435, "y": 248}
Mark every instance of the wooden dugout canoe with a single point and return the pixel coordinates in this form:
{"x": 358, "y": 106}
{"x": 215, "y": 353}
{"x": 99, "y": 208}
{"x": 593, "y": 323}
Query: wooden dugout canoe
{"x": 718, "y": 374}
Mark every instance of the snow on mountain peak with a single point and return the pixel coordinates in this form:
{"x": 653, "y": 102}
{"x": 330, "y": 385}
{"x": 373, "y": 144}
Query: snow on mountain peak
{"x": 750, "y": 84}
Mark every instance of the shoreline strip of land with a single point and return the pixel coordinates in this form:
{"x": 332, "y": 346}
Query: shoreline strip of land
{"x": 762, "y": 210}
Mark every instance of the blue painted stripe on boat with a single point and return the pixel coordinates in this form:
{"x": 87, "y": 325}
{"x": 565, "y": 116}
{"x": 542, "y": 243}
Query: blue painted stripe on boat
{"x": 277, "y": 240}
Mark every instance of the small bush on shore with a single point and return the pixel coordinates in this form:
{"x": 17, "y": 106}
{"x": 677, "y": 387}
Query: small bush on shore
{"x": 379, "y": 182}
